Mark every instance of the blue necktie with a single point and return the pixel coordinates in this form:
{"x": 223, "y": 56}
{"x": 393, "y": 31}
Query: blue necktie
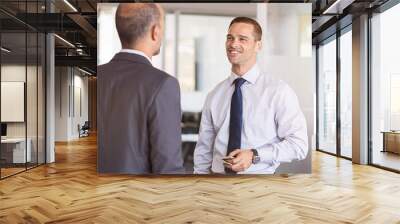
{"x": 236, "y": 119}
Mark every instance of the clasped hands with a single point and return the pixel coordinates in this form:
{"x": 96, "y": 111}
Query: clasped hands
{"x": 239, "y": 160}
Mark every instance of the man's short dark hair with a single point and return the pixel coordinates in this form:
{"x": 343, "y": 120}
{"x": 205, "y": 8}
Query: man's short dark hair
{"x": 256, "y": 27}
{"x": 133, "y": 26}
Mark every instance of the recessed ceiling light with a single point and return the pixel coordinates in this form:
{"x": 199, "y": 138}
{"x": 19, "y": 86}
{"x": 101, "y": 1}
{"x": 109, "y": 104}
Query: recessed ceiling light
{"x": 64, "y": 40}
{"x": 5, "y": 50}
{"x": 337, "y": 7}
{"x": 86, "y": 72}
{"x": 70, "y": 5}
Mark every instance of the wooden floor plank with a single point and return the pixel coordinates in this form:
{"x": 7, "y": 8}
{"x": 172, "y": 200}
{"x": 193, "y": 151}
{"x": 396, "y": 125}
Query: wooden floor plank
{"x": 70, "y": 191}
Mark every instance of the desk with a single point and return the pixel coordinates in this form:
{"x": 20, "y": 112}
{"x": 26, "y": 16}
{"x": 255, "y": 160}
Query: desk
{"x": 15, "y": 148}
{"x": 391, "y": 141}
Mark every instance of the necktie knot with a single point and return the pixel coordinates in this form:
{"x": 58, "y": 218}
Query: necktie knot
{"x": 239, "y": 82}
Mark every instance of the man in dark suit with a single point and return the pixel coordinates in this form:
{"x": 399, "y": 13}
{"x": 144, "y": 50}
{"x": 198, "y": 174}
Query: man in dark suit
{"x": 138, "y": 105}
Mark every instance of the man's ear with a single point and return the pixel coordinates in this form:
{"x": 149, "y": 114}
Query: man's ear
{"x": 155, "y": 32}
{"x": 259, "y": 45}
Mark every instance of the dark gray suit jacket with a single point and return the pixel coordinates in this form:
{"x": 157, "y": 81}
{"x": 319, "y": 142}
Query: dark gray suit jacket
{"x": 139, "y": 116}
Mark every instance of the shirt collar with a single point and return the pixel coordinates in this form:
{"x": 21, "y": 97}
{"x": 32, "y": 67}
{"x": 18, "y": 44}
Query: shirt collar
{"x": 132, "y": 51}
{"x": 250, "y": 76}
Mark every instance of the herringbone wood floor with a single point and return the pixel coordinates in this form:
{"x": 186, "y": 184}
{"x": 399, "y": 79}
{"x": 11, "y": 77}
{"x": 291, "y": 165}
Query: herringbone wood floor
{"x": 70, "y": 191}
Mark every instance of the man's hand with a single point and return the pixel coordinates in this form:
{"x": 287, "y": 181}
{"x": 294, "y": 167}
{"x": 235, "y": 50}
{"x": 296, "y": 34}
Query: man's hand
{"x": 243, "y": 159}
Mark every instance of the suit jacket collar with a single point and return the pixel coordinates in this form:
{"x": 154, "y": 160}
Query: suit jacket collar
{"x": 131, "y": 57}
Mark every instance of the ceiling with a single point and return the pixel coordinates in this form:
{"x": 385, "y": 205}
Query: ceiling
{"x": 221, "y": 9}
{"x": 76, "y": 25}
{"x": 76, "y": 21}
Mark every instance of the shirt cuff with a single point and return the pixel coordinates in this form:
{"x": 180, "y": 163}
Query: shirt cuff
{"x": 266, "y": 154}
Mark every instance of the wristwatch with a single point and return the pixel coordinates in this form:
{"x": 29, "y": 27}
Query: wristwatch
{"x": 256, "y": 157}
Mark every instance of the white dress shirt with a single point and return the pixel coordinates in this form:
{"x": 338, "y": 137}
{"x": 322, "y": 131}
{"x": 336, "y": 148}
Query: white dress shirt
{"x": 132, "y": 51}
{"x": 273, "y": 124}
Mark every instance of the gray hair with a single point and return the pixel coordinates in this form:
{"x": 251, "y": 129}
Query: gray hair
{"x": 133, "y": 21}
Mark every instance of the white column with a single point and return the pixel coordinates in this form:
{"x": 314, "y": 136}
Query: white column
{"x": 50, "y": 92}
{"x": 50, "y": 100}
{"x": 360, "y": 90}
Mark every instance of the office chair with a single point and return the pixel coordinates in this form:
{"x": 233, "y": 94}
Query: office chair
{"x": 84, "y": 130}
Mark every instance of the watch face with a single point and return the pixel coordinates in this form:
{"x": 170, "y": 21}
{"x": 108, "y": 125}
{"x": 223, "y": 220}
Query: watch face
{"x": 256, "y": 159}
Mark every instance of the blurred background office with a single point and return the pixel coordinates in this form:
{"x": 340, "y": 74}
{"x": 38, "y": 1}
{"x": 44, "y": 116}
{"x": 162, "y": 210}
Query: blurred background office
{"x": 194, "y": 52}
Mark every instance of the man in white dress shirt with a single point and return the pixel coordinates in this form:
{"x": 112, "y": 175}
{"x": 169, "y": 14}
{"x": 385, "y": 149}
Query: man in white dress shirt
{"x": 250, "y": 117}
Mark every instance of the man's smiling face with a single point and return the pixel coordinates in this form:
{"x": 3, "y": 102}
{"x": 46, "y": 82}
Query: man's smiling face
{"x": 241, "y": 45}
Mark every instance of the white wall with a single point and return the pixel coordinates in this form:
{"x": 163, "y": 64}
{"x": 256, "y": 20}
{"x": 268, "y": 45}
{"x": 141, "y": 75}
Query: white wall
{"x": 17, "y": 73}
{"x": 12, "y": 99}
{"x": 107, "y": 37}
{"x": 287, "y": 55}
{"x": 213, "y": 65}
{"x": 210, "y": 57}
{"x": 33, "y": 126}
{"x": 68, "y": 82}
{"x": 61, "y": 103}
{"x": 14, "y": 73}
{"x": 80, "y": 83}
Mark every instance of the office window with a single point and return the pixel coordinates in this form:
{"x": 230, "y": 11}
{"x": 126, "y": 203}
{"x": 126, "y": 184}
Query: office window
{"x": 385, "y": 85}
{"x": 194, "y": 52}
{"x": 346, "y": 94}
{"x": 22, "y": 92}
{"x": 327, "y": 96}
{"x": 202, "y": 61}
{"x": 14, "y": 153}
